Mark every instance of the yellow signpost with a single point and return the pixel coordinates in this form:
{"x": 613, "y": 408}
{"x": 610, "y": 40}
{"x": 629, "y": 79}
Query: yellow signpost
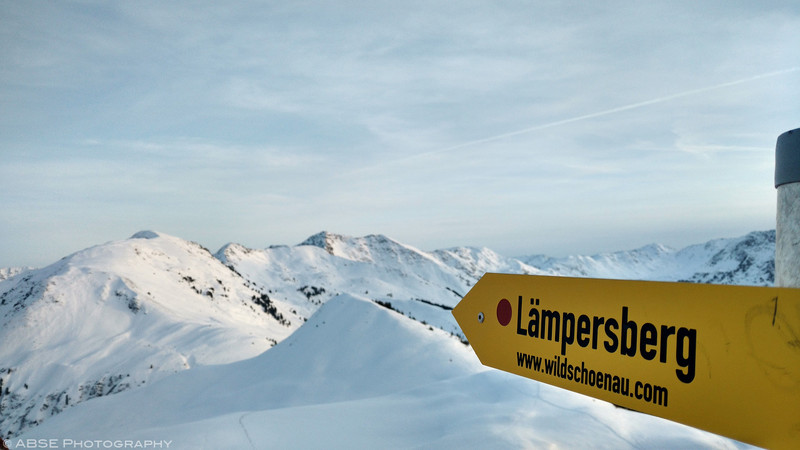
{"x": 725, "y": 359}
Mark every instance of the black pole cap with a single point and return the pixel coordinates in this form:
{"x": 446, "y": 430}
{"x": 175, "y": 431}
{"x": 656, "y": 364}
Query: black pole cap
{"x": 787, "y": 158}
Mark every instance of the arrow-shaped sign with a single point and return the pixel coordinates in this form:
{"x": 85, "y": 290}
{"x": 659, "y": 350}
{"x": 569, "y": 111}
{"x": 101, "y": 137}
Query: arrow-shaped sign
{"x": 721, "y": 358}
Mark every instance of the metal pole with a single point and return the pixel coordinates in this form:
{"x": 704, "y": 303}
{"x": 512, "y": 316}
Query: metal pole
{"x": 787, "y": 238}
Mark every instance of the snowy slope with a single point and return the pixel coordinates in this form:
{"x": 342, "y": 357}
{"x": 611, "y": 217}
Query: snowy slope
{"x": 361, "y": 376}
{"x": 119, "y": 315}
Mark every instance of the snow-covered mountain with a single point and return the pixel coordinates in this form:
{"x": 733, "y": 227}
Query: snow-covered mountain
{"x": 123, "y": 315}
{"x": 422, "y": 285}
{"x": 748, "y": 260}
{"x": 119, "y": 315}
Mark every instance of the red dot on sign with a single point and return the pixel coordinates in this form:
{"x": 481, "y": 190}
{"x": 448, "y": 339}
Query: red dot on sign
{"x": 504, "y": 312}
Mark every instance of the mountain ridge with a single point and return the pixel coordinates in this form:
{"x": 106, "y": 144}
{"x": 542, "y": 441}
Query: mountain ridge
{"x": 744, "y": 260}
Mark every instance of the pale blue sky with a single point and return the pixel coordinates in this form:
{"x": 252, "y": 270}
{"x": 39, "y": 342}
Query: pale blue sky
{"x": 524, "y": 126}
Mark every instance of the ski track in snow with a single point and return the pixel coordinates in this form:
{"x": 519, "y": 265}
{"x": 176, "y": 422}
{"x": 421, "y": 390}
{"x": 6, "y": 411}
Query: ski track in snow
{"x": 244, "y": 429}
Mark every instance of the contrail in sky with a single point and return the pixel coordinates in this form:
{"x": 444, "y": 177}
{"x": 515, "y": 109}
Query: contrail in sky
{"x": 608, "y": 111}
{"x": 593, "y": 115}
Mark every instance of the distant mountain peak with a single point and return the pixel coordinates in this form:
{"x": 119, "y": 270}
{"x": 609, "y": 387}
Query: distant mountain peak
{"x": 229, "y": 250}
{"x": 323, "y": 240}
{"x": 364, "y": 248}
{"x": 654, "y": 249}
{"x": 146, "y": 234}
